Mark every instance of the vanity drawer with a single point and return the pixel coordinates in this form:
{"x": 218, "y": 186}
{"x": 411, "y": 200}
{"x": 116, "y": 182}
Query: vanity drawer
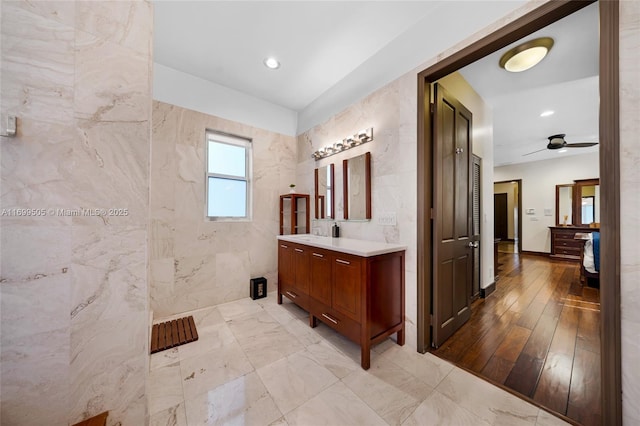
{"x": 336, "y": 320}
{"x": 296, "y": 296}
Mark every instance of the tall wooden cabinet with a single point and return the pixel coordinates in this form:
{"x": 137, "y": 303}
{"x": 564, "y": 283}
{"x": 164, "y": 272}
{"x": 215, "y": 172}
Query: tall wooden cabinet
{"x": 361, "y": 297}
{"x": 294, "y": 214}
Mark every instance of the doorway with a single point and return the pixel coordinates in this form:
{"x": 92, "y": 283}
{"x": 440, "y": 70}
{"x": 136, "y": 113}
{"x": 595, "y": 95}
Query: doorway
{"x": 511, "y": 241}
{"x": 501, "y": 216}
{"x": 609, "y": 160}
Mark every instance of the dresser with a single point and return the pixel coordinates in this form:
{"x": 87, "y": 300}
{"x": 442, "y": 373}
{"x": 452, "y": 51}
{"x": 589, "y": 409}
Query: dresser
{"x": 355, "y": 287}
{"x": 563, "y": 243}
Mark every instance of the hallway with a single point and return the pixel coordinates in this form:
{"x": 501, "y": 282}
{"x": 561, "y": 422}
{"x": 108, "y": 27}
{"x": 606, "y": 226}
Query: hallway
{"x": 538, "y": 335}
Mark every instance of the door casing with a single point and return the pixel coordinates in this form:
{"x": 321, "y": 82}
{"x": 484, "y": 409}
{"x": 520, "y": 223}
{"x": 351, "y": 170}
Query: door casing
{"x": 547, "y": 13}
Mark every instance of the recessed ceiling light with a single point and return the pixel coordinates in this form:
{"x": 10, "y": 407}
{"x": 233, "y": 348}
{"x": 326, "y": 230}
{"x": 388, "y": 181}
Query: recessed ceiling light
{"x": 547, "y": 113}
{"x": 272, "y": 63}
{"x": 526, "y": 55}
{"x": 560, "y": 151}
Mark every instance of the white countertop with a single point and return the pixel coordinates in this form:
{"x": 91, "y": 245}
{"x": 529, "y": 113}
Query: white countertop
{"x": 344, "y": 245}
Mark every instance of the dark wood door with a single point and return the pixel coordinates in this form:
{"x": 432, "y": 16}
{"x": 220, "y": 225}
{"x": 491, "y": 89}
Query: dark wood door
{"x": 347, "y": 280}
{"x": 452, "y": 213}
{"x": 500, "y": 221}
{"x": 320, "y": 280}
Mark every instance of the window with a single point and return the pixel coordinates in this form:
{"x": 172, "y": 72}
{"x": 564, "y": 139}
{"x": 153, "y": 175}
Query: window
{"x": 228, "y": 177}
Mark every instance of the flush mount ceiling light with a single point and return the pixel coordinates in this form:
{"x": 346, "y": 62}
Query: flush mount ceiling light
{"x": 526, "y": 55}
{"x": 547, "y": 113}
{"x": 271, "y": 63}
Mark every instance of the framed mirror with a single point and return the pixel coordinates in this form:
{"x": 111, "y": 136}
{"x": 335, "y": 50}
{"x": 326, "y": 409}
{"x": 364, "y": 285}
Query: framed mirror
{"x": 586, "y": 203}
{"x": 357, "y": 187}
{"x": 564, "y": 205}
{"x": 324, "y": 193}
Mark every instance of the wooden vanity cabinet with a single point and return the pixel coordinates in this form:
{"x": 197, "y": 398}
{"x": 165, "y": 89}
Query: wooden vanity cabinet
{"x": 360, "y": 297}
{"x": 293, "y": 273}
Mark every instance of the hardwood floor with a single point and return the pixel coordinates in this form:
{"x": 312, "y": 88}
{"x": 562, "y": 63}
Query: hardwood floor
{"x": 537, "y": 334}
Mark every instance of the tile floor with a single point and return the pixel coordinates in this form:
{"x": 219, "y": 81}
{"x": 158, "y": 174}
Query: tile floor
{"x": 259, "y": 363}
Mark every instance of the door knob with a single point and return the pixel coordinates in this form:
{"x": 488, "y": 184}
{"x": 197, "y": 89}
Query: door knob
{"x": 473, "y": 245}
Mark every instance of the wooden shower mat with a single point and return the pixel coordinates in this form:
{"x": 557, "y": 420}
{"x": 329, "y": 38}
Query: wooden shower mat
{"x": 167, "y": 335}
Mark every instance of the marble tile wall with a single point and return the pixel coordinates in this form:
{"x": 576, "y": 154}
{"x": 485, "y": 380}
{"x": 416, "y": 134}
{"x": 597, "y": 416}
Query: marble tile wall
{"x": 73, "y": 287}
{"x": 629, "y": 206}
{"x": 195, "y": 262}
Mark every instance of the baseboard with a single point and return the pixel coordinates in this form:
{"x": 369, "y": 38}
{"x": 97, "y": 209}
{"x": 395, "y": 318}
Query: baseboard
{"x": 484, "y": 292}
{"x": 535, "y": 253}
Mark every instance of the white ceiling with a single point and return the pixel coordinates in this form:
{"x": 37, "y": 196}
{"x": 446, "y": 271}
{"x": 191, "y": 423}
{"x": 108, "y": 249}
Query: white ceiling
{"x": 566, "y": 82}
{"x": 324, "y": 46}
{"x": 318, "y": 43}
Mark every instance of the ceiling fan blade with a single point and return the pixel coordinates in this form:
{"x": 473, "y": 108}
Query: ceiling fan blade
{"x": 581, "y": 144}
{"x": 540, "y": 150}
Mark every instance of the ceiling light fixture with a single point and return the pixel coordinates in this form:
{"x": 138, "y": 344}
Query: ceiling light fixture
{"x": 547, "y": 113}
{"x": 526, "y": 55}
{"x": 560, "y": 151}
{"x": 271, "y": 63}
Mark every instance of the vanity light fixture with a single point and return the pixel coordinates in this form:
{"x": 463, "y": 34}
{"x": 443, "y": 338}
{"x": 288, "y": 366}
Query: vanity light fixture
{"x": 363, "y": 136}
{"x": 526, "y": 55}
{"x": 271, "y": 63}
{"x": 547, "y": 113}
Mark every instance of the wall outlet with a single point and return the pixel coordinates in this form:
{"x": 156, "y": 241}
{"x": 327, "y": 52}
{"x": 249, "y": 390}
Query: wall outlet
{"x": 387, "y": 218}
{"x": 534, "y": 219}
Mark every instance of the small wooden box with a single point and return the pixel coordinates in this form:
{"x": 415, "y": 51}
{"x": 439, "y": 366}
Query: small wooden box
{"x": 258, "y": 288}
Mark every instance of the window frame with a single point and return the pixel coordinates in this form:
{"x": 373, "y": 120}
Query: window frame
{"x": 238, "y": 141}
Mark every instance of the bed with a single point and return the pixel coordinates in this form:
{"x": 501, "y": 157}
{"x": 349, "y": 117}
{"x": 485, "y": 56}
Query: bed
{"x": 590, "y": 258}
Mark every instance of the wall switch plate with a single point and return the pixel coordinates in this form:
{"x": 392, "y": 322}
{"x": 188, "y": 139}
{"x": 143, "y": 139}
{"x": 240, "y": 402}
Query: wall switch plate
{"x": 387, "y": 218}
{"x": 548, "y": 212}
{"x": 530, "y": 211}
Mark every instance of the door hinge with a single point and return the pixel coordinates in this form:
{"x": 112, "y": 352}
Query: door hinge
{"x": 430, "y": 319}
{"x": 432, "y": 107}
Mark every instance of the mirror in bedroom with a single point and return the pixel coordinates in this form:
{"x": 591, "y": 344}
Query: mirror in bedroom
{"x": 587, "y": 202}
{"x": 325, "y": 192}
{"x": 357, "y": 187}
{"x": 564, "y": 205}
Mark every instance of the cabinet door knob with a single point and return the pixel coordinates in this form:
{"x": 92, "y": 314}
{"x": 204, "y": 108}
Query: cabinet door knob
{"x": 344, "y": 262}
{"x": 330, "y": 319}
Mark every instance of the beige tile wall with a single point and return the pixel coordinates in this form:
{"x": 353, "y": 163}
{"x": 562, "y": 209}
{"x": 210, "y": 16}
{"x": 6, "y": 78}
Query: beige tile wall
{"x": 74, "y": 288}
{"x": 196, "y": 262}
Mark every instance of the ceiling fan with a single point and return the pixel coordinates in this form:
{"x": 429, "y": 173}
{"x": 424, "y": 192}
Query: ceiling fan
{"x": 557, "y": 142}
